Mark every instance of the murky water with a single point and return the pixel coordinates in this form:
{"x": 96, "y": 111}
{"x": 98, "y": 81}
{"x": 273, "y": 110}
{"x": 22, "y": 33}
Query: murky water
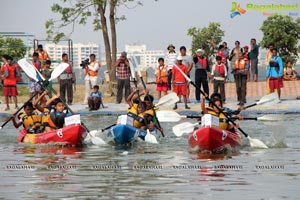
{"x": 148, "y": 171}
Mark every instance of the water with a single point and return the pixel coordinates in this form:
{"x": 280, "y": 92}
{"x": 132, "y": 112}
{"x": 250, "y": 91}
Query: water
{"x": 148, "y": 171}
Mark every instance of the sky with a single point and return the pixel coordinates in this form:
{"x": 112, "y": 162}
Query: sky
{"x": 156, "y": 23}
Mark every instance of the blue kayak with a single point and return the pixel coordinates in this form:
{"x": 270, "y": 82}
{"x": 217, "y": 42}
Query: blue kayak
{"x": 124, "y": 134}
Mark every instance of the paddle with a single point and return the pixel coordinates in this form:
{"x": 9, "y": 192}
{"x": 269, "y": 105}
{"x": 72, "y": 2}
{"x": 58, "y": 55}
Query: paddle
{"x": 172, "y": 116}
{"x": 157, "y": 120}
{"x": 270, "y": 117}
{"x": 268, "y": 99}
{"x": 253, "y": 142}
{"x": 184, "y": 128}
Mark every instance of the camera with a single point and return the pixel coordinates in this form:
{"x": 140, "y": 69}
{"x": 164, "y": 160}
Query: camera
{"x": 84, "y": 63}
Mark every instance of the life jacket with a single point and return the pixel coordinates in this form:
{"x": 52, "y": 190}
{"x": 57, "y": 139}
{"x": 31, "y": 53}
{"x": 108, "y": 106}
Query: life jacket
{"x": 219, "y": 70}
{"x": 30, "y": 121}
{"x": 139, "y": 119}
{"x": 56, "y": 119}
{"x": 43, "y": 55}
{"x": 93, "y": 73}
{"x": 68, "y": 70}
{"x": 223, "y": 121}
{"x": 45, "y": 117}
{"x": 273, "y": 62}
{"x": 11, "y": 79}
{"x": 240, "y": 64}
{"x": 161, "y": 74}
{"x": 202, "y": 63}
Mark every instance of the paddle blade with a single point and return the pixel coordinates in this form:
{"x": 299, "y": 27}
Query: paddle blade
{"x": 150, "y": 138}
{"x": 269, "y": 99}
{"x": 168, "y": 116}
{"x": 256, "y": 143}
{"x": 184, "y": 128}
{"x": 270, "y": 117}
{"x": 58, "y": 70}
{"x": 167, "y": 100}
{"x": 95, "y": 140}
{"x": 28, "y": 68}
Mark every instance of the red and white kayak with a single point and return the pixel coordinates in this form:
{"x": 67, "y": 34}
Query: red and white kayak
{"x": 69, "y": 135}
{"x": 214, "y": 140}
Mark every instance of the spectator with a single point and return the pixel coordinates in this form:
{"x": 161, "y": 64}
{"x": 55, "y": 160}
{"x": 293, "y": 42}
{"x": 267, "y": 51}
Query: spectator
{"x": 269, "y": 54}
{"x": 161, "y": 75}
{"x": 46, "y": 72}
{"x": 171, "y": 61}
{"x": 226, "y": 55}
{"x": 253, "y": 55}
{"x": 33, "y": 85}
{"x": 65, "y": 81}
{"x": 201, "y": 70}
{"x": 8, "y": 75}
{"x": 179, "y": 82}
{"x": 234, "y": 55}
{"x": 43, "y": 55}
{"x": 289, "y": 73}
{"x": 188, "y": 62}
{"x": 275, "y": 72}
{"x": 91, "y": 75}
{"x": 240, "y": 73}
{"x": 123, "y": 72}
{"x": 95, "y": 99}
{"x": 246, "y": 56}
{"x": 219, "y": 74}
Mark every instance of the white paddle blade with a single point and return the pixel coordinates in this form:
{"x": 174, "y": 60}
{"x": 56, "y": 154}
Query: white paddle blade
{"x": 28, "y": 69}
{"x": 270, "y": 117}
{"x": 150, "y": 138}
{"x": 58, "y": 70}
{"x": 169, "y": 99}
{"x": 95, "y": 140}
{"x": 256, "y": 143}
{"x": 184, "y": 128}
{"x": 168, "y": 116}
{"x": 269, "y": 99}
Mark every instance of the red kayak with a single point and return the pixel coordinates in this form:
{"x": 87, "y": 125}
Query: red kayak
{"x": 214, "y": 140}
{"x": 70, "y": 135}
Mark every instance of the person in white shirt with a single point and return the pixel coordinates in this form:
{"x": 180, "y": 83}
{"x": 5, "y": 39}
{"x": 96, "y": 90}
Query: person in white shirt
{"x": 170, "y": 59}
{"x": 91, "y": 76}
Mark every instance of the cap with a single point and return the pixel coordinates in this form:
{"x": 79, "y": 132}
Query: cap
{"x": 171, "y": 45}
{"x": 124, "y": 54}
{"x": 246, "y": 47}
{"x": 199, "y": 50}
{"x": 179, "y": 58}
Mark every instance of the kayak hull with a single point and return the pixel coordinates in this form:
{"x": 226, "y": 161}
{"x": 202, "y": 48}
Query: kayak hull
{"x": 69, "y": 135}
{"x": 214, "y": 140}
{"x": 123, "y": 134}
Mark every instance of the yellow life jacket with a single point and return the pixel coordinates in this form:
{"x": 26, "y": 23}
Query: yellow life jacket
{"x": 139, "y": 119}
{"x": 223, "y": 121}
{"x": 30, "y": 121}
{"x": 45, "y": 117}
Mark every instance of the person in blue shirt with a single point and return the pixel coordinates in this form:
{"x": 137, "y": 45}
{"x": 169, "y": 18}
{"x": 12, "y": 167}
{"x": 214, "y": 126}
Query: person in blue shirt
{"x": 95, "y": 99}
{"x": 275, "y": 72}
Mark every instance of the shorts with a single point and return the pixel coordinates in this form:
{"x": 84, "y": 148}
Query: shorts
{"x": 180, "y": 89}
{"x": 253, "y": 65}
{"x": 10, "y": 90}
{"x": 162, "y": 87}
{"x": 275, "y": 83}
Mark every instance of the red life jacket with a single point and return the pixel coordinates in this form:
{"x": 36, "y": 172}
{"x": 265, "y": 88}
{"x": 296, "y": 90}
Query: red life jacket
{"x": 37, "y": 65}
{"x": 203, "y": 62}
{"x": 220, "y": 69}
{"x": 11, "y": 79}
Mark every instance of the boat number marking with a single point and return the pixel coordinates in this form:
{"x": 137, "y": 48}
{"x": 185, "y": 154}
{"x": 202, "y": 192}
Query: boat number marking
{"x": 195, "y": 136}
{"x": 224, "y": 136}
{"x": 59, "y": 133}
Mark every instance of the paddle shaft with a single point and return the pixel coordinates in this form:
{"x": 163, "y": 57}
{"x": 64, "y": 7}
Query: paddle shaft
{"x": 104, "y": 129}
{"x": 19, "y": 110}
{"x": 158, "y": 123}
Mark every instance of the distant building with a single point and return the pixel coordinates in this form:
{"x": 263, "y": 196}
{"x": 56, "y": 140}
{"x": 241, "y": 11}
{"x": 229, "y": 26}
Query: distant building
{"x": 80, "y": 52}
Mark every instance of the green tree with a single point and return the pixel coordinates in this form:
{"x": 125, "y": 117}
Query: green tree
{"x": 14, "y": 47}
{"x": 284, "y": 32}
{"x": 78, "y": 11}
{"x": 204, "y": 37}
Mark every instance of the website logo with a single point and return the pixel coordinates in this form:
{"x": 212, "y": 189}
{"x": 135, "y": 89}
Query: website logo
{"x": 236, "y": 9}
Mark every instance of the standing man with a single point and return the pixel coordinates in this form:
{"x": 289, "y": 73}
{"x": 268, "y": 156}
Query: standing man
{"x": 188, "y": 62}
{"x": 42, "y": 54}
{"x": 65, "y": 81}
{"x": 123, "y": 72}
{"x": 170, "y": 61}
{"x": 240, "y": 76}
{"x": 253, "y": 55}
{"x": 219, "y": 73}
{"x": 91, "y": 76}
{"x": 202, "y": 68}
{"x": 8, "y": 75}
{"x": 275, "y": 72}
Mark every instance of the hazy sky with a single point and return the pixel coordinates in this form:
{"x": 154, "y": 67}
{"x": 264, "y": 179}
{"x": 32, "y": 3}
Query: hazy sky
{"x": 155, "y": 24}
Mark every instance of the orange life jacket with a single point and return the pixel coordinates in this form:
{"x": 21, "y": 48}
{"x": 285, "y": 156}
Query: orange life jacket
{"x": 43, "y": 55}
{"x": 93, "y": 73}
{"x": 11, "y": 79}
{"x": 240, "y": 64}
{"x": 161, "y": 74}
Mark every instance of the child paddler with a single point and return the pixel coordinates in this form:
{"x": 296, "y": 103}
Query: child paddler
{"x": 137, "y": 110}
{"x": 41, "y": 105}
{"x": 30, "y": 119}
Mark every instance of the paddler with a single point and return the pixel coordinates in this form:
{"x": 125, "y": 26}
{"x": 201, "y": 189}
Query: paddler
{"x": 30, "y": 119}
{"x": 41, "y": 105}
{"x": 57, "y": 117}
